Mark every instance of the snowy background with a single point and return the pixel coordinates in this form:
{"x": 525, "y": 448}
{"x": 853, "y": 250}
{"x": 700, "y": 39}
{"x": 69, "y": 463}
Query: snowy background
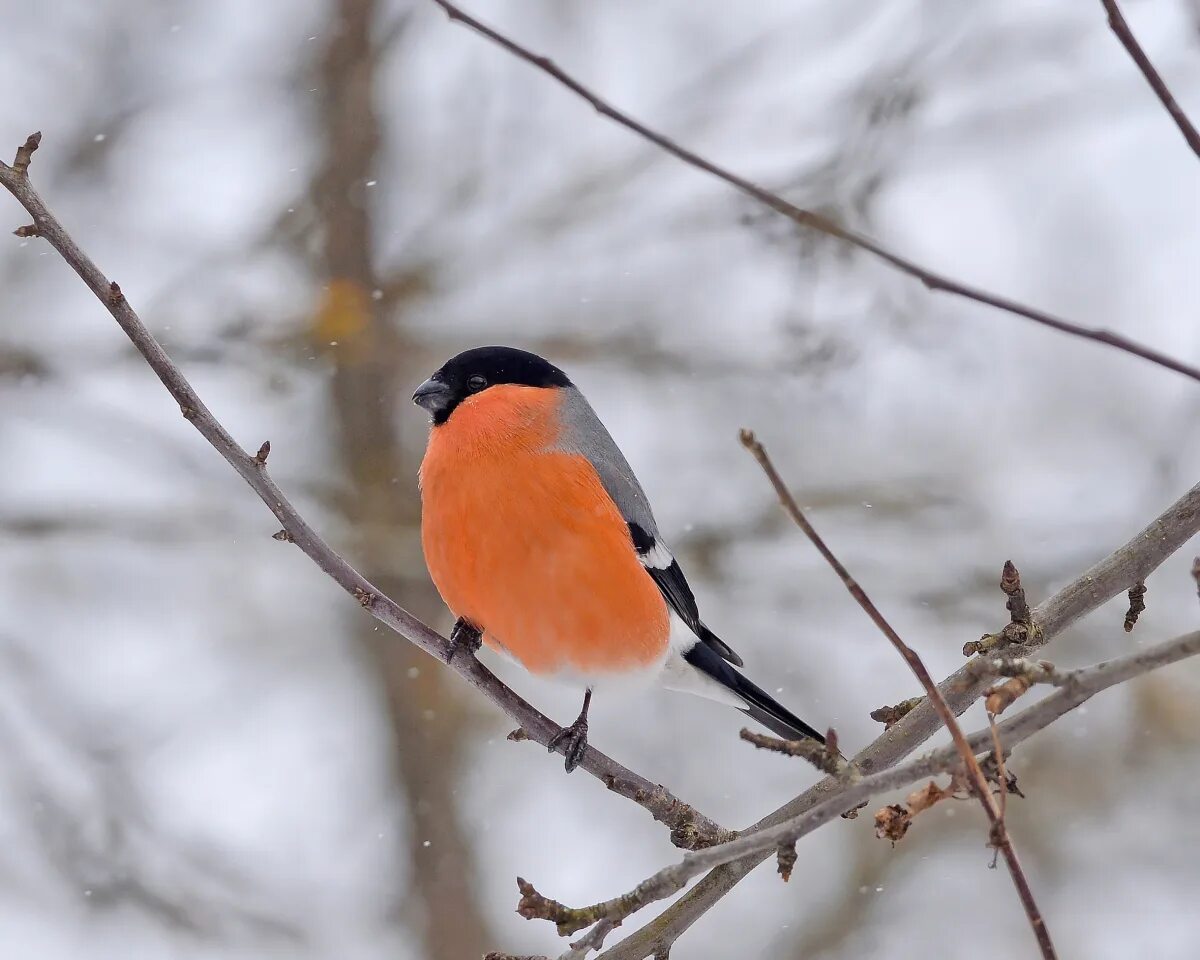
{"x": 210, "y": 751}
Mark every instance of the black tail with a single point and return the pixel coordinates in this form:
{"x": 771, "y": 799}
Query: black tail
{"x": 759, "y": 704}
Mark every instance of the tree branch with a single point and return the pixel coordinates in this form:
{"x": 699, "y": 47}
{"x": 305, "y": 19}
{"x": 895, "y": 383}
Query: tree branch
{"x": 1133, "y": 561}
{"x": 1077, "y": 687}
{"x": 1116, "y": 20}
{"x": 808, "y": 218}
{"x": 975, "y": 777}
{"x": 824, "y": 757}
{"x": 689, "y": 828}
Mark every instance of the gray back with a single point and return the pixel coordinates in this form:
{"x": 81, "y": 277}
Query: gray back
{"x": 583, "y": 433}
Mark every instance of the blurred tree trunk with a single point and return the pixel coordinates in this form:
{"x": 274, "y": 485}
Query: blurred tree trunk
{"x": 373, "y": 373}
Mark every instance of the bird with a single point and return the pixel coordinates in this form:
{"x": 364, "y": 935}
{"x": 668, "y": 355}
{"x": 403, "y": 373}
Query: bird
{"x": 540, "y": 540}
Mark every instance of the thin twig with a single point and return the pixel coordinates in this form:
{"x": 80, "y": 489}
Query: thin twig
{"x": 1133, "y": 560}
{"x": 815, "y": 221}
{"x": 1020, "y": 624}
{"x": 1116, "y": 20}
{"x": 977, "y": 779}
{"x": 998, "y": 753}
{"x": 822, "y": 756}
{"x": 689, "y": 828}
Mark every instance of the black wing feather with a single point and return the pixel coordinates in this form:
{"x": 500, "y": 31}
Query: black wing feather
{"x": 678, "y": 594}
{"x": 675, "y": 590}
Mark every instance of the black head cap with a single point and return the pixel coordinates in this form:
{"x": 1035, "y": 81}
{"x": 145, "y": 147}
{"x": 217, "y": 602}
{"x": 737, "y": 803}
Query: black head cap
{"x": 475, "y": 370}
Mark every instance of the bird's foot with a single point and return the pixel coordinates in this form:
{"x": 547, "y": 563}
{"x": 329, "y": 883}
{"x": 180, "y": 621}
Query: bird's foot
{"x": 574, "y": 741}
{"x": 465, "y": 636}
{"x": 574, "y": 737}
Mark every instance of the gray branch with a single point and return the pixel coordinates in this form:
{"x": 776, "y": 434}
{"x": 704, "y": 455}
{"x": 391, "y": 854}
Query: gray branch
{"x": 1074, "y": 688}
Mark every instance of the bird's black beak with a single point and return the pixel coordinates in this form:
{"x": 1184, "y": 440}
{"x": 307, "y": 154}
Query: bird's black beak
{"x": 434, "y": 396}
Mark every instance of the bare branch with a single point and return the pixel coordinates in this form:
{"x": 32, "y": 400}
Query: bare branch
{"x": 1132, "y": 561}
{"x": 689, "y": 828}
{"x": 1011, "y": 583}
{"x": 1082, "y": 685}
{"x": 811, "y": 220}
{"x": 822, "y": 756}
{"x": 568, "y": 920}
{"x": 1116, "y": 20}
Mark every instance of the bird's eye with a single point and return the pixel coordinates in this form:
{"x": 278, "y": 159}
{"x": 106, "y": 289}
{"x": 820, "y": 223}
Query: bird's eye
{"x": 476, "y": 383}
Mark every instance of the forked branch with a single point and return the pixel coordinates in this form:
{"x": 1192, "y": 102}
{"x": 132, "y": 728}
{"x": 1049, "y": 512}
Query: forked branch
{"x": 1076, "y": 687}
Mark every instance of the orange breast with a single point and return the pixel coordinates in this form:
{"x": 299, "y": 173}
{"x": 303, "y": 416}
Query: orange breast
{"x": 525, "y": 543}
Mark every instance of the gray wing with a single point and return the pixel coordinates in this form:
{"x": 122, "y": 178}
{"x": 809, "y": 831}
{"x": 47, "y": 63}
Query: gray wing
{"x": 584, "y": 434}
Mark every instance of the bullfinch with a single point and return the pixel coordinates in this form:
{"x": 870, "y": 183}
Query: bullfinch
{"x": 541, "y": 542}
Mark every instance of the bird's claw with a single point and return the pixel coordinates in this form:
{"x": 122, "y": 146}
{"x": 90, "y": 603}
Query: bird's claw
{"x": 465, "y": 636}
{"x": 574, "y": 739}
